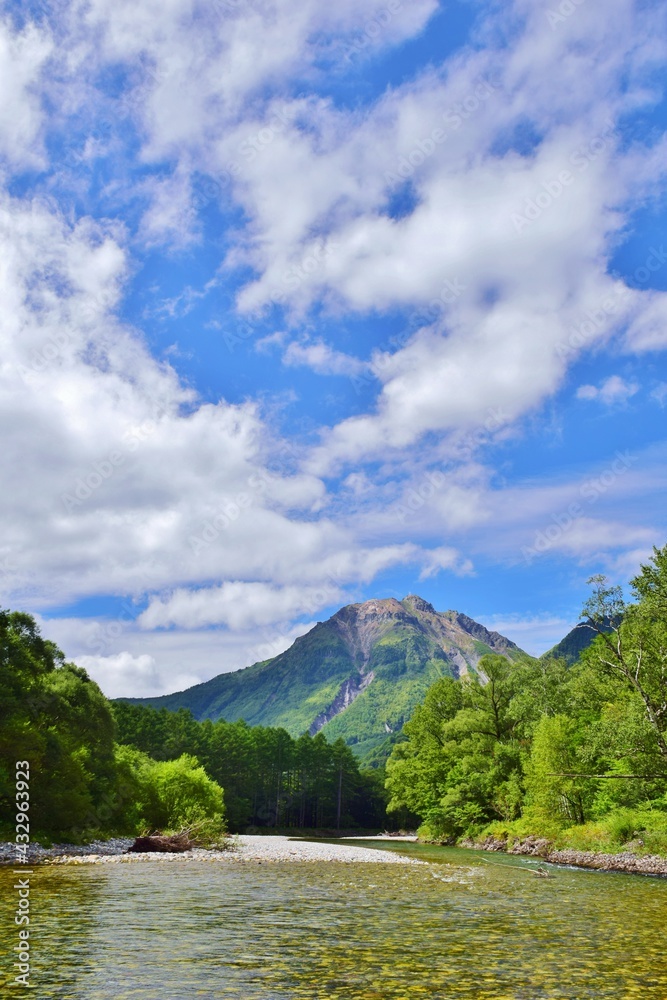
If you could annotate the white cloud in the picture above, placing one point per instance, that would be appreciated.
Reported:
(612, 391)
(509, 246)
(123, 675)
(22, 60)
(133, 663)
(324, 360)
(660, 393)
(445, 558)
(204, 64)
(128, 483)
(236, 604)
(535, 635)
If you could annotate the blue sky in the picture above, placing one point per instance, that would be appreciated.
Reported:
(303, 307)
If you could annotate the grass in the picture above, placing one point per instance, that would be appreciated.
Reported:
(641, 831)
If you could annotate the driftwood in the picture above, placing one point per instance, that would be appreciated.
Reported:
(539, 871)
(176, 843)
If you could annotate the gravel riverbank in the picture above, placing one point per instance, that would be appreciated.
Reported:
(535, 847)
(242, 848)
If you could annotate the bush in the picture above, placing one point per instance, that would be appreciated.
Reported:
(174, 794)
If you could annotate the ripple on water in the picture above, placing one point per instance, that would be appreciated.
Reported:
(342, 932)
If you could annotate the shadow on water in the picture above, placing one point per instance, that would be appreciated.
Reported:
(456, 928)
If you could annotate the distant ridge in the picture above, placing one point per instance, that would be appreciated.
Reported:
(575, 642)
(358, 675)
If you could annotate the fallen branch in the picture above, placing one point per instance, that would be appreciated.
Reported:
(159, 843)
(540, 872)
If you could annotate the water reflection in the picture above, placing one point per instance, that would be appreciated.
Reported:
(352, 932)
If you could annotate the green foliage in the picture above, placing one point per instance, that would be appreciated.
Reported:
(576, 753)
(54, 716)
(460, 766)
(176, 794)
(636, 649)
(81, 783)
(269, 778)
(552, 793)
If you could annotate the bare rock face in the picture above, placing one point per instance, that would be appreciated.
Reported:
(459, 637)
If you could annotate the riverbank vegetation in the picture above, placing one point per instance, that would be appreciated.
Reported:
(112, 768)
(576, 754)
(82, 782)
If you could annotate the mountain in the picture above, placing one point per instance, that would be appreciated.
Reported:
(575, 642)
(358, 675)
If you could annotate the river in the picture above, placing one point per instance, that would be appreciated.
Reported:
(457, 928)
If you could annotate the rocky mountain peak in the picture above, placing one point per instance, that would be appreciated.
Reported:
(418, 604)
(358, 675)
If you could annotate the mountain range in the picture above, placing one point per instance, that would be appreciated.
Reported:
(359, 675)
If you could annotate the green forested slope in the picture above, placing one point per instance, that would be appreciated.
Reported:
(575, 642)
(358, 675)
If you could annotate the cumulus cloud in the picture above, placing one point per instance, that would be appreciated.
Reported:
(519, 187)
(237, 605)
(128, 482)
(123, 672)
(166, 660)
(612, 390)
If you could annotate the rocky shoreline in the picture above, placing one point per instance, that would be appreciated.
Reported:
(270, 849)
(537, 847)
(242, 848)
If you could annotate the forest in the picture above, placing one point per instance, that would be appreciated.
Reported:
(99, 767)
(576, 754)
(269, 778)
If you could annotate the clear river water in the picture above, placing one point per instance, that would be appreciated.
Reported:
(457, 928)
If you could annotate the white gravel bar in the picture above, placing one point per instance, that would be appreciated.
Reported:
(258, 848)
(244, 848)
